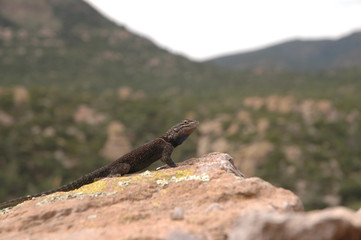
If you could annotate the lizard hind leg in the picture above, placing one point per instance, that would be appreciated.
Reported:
(119, 170)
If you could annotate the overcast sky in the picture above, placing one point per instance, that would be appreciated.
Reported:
(200, 29)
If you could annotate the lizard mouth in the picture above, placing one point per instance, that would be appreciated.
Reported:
(192, 126)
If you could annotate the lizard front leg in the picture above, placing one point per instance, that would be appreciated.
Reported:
(166, 156)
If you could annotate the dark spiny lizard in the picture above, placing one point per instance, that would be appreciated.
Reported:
(160, 148)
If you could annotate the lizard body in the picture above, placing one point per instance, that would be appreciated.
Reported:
(159, 149)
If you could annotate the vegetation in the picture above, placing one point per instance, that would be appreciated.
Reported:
(44, 146)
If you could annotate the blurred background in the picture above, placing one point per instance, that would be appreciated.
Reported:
(276, 85)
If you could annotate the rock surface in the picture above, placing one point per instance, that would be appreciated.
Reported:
(332, 223)
(203, 198)
(200, 199)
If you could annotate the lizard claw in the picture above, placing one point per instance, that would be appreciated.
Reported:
(165, 167)
(162, 167)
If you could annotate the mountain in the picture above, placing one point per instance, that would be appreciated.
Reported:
(67, 42)
(299, 55)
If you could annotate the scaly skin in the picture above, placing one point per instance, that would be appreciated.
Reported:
(159, 149)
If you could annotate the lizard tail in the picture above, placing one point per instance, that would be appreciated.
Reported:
(15, 201)
(86, 179)
(29, 197)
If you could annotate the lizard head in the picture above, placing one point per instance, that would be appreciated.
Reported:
(179, 132)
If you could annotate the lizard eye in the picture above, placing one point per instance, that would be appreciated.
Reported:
(185, 121)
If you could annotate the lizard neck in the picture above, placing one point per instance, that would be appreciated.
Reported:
(169, 141)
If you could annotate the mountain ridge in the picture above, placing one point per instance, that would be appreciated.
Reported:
(69, 43)
(304, 55)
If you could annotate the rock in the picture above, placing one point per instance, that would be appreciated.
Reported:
(214, 207)
(255, 103)
(177, 214)
(85, 114)
(253, 155)
(6, 119)
(273, 103)
(212, 135)
(124, 92)
(137, 206)
(49, 132)
(333, 223)
(117, 143)
(181, 236)
(262, 126)
(21, 95)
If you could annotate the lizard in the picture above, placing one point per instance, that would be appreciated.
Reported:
(140, 158)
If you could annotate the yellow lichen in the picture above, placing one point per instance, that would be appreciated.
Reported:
(97, 186)
(116, 184)
(156, 204)
(153, 177)
(203, 178)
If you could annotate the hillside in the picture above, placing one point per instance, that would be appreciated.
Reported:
(299, 55)
(298, 131)
(57, 42)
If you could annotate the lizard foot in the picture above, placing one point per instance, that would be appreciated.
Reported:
(162, 167)
(165, 167)
(115, 175)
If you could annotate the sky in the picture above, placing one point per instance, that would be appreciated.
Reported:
(203, 29)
